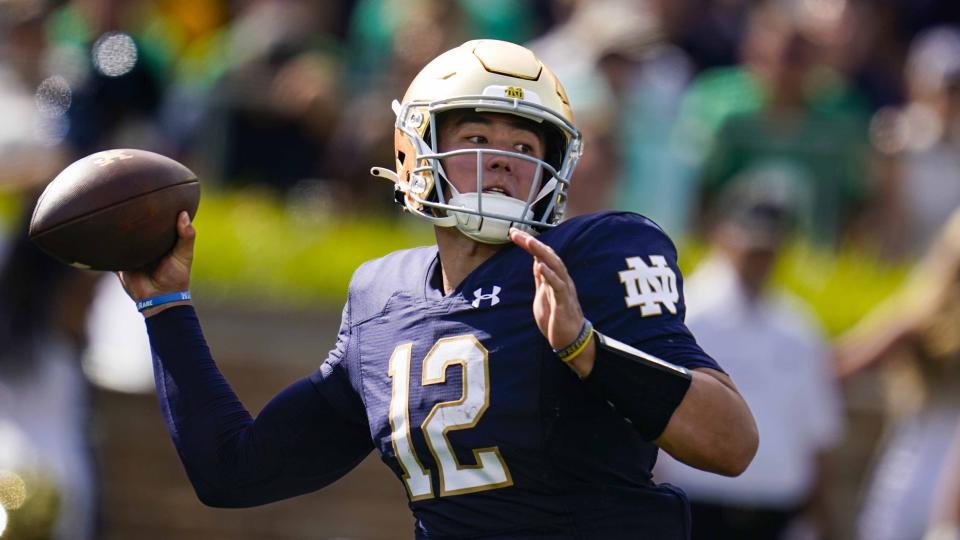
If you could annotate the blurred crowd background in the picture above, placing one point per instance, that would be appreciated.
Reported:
(755, 132)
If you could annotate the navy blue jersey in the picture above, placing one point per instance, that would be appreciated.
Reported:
(468, 405)
(490, 433)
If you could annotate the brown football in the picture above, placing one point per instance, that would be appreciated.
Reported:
(114, 210)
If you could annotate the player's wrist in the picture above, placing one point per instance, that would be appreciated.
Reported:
(573, 347)
(153, 304)
(579, 352)
(149, 312)
(583, 364)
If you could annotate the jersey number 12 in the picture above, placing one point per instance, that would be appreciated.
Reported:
(490, 471)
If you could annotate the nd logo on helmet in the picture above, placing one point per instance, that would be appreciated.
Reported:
(514, 92)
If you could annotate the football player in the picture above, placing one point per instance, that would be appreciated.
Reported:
(519, 377)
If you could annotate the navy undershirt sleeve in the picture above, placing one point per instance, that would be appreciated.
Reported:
(300, 442)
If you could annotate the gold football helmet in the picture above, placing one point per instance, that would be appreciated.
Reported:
(485, 76)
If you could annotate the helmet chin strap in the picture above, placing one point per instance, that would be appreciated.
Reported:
(491, 230)
(487, 229)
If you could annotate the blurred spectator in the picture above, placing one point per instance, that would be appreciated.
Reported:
(916, 15)
(30, 500)
(42, 389)
(915, 333)
(32, 104)
(707, 31)
(595, 180)
(389, 42)
(44, 396)
(784, 111)
(769, 342)
(607, 53)
(868, 48)
(925, 136)
(117, 356)
(647, 84)
(270, 114)
(114, 91)
(945, 517)
(411, 32)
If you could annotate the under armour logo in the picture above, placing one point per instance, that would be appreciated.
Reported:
(650, 287)
(105, 158)
(492, 297)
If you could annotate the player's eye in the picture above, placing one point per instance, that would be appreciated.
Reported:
(477, 139)
(523, 148)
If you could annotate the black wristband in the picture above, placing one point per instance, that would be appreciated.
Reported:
(643, 388)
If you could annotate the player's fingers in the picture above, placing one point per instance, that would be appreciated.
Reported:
(185, 225)
(515, 237)
(558, 284)
(531, 244)
(183, 250)
(526, 241)
(540, 250)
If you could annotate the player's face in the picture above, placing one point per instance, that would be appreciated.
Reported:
(472, 130)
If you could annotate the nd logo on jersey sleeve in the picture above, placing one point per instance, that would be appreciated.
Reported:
(651, 287)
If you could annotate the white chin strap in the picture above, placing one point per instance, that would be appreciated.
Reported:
(487, 229)
(482, 228)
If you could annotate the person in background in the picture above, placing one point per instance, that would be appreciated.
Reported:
(914, 333)
(925, 134)
(783, 111)
(44, 395)
(774, 348)
(945, 516)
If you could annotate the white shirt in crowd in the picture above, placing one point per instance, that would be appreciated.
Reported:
(777, 356)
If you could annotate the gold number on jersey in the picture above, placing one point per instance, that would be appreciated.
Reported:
(490, 471)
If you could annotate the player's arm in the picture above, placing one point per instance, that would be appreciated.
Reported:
(712, 428)
(696, 415)
(308, 436)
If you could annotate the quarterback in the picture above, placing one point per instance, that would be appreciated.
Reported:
(518, 377)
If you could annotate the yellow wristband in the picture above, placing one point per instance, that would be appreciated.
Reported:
(573, 350)
(569, 358)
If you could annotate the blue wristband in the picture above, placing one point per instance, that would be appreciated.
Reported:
(148, 303)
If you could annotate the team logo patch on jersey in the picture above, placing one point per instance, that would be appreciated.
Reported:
(652, 287)
(492, 297)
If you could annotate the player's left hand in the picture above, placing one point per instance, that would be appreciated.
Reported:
(556, 307)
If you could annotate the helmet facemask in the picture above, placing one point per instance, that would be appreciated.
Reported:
(486, 216)
(483, 76)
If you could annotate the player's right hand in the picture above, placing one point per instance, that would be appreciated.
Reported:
(170, 274)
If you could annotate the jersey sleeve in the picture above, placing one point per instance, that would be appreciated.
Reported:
(631, 289)
(306, 437)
